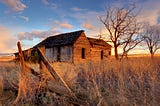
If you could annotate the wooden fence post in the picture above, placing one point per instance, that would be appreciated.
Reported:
(20, 90)
(21, 58)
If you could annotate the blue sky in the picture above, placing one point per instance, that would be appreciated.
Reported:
(30, 21)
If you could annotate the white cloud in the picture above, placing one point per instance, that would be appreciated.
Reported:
(7, 41)
(15, 5)
(88, 25)
(26, 19)
(65, 25)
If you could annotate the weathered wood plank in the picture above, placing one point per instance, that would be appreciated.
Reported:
(52, 71)
(81, 42)
(21, 58)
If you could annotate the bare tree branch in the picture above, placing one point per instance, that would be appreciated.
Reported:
(151, 35)
(122, 27)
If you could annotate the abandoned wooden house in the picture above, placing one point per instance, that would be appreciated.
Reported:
(74, 47)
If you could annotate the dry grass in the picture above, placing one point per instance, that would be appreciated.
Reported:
(135, 81)
(6, 58)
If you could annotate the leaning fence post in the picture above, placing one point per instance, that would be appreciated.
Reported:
(52, 71)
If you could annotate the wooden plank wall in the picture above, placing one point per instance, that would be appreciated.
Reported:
(81, 42)
(96, 52)
(66, 54)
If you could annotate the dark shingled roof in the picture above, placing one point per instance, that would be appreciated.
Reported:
(61, 39)
(100, 42)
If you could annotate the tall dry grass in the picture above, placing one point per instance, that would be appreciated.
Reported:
(128, 82)
(133, 81)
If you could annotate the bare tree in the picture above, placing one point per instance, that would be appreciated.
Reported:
(122, 26)
(132, 38)
(152, 38)
(129, 45)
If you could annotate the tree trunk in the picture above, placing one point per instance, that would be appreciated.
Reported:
(151, 52)
(116, 52)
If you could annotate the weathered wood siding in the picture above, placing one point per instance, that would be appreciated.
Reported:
(96, 53)
(80, 51)
(49, 53)
(81, 42)
(65, 54)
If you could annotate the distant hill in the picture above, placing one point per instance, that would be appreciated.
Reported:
(6, 54)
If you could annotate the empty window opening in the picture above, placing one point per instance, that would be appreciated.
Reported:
(109, 52)
(83, 53)
(102, 54)
(58, 54)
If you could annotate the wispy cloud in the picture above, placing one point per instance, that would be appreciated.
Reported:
(77, 9)
(150, 11)
(87, 25)
(90, 21)
(7, 41)
(15, 5)
(40, 34)
(88, 16)
(26, 19)
(65, 25)
(46, 2)
(49, 4)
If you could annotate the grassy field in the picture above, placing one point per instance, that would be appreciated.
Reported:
(129, 82)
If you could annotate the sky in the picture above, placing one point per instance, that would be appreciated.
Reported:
(30, 21)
